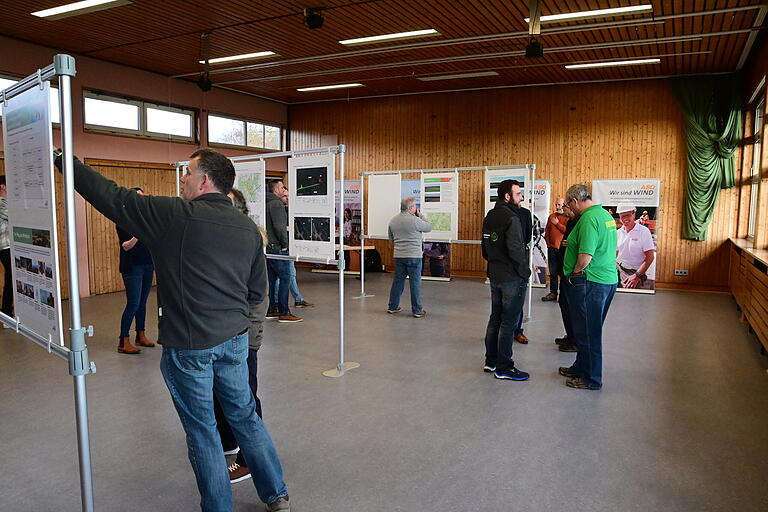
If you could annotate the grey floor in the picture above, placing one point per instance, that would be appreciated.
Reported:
(680, 425)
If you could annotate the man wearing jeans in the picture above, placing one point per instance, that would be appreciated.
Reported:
(405, 231)
(590, 267)
(277, 233)
(505, 248)
(211, 274)
(554, 233)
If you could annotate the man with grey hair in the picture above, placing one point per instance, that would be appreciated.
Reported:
(405, 231)
(589, 266)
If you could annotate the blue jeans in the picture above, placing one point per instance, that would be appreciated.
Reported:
(519, 325)
(507, 299)
(192, 377)
(293, 288)
(410, 267)
(279, 272)
(562, 299)
(588, 304)
(555, 267)
(138, 283)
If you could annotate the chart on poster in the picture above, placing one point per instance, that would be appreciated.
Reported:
(311, 206)
(250, 179)
(440, 204)
(495, 176)
(31, 212)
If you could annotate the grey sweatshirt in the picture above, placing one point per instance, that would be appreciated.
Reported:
(405, 231)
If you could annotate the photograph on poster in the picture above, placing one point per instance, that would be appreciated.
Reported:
(46, 298)
(437, 259)
(312, 181)
(41, 237)
(352, 212)
(25, 289)
(314, 229)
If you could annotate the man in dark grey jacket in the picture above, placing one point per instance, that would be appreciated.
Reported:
(211, 276)
(277, 233)
(505, 249)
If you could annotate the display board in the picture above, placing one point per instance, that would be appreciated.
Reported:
(411, 188)
(311, 205)
(250, 179)
(383, 201)
(496, 176)
(31, 212)
(440, 204)
(541, 193)
(634, 204)
(352, 206)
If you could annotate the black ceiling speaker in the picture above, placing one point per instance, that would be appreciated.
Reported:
(204, 82)
(313, 17)
(534, 50)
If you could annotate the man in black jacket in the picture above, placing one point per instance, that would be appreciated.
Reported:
(505, 249)
(211, 279)
(277, 233)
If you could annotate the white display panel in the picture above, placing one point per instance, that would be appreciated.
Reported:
(440, 204)
(383, 201)
(250, 179)
(311, 206)
(31, 212)
(496, 176)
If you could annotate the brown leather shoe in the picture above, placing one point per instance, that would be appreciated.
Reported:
(124, 346)
(289, 318)
(520, 338)
(142, 340)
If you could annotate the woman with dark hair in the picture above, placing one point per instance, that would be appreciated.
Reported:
(137, 270)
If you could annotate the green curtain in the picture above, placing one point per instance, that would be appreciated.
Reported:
(712, 109)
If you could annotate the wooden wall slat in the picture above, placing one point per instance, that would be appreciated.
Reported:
(573, 133)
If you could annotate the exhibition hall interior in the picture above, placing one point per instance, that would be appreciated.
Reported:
(376, 255)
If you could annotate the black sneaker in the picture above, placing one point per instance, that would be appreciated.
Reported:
(562, 340)
(578, 383)
(567, 347)
(511, 373)
(566, 371)
(489, 368)
(303, 304)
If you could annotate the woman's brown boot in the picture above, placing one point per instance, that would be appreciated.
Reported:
(142, 340)
(125, 347)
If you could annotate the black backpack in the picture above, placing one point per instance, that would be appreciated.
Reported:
(373, 261)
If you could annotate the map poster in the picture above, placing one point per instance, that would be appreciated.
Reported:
(311, 206)
(634, 205)
(440, 204)
(250, 179)
(31, 212)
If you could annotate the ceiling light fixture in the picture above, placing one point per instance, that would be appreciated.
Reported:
(390, 37)
(457, 75)
(613, 63)
(239, 57)
(324, 87)
(78, 8)
(598, 13)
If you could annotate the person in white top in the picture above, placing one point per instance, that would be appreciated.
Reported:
(635, 251)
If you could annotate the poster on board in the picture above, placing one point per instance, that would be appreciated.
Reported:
(382, 203)
(411, 188)
(437, 255)
(541, 192)
(352, 208)
(634, 204)
(31, 212)
(495, 176)
(311, 206)
(250, 179)
(440, 204)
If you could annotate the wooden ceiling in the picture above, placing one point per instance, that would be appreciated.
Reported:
(689, 36)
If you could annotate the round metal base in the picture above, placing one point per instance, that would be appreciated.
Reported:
(341, 369)
(363, 296)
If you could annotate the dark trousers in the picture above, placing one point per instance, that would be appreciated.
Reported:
(5, 259)
(555, 268)
(507, 301)
(563, 302)
(588, 304)
(138, 283)
(228, 440)
(279, 269)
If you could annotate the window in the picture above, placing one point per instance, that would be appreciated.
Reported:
(246, 134)
(139, 118)
(754, 178)
(7, 82)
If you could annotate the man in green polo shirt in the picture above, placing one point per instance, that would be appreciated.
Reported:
(590, 267)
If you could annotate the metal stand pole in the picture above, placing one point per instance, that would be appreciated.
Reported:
(79, 365)
(362, 239)
(532, 169)
(342, 367)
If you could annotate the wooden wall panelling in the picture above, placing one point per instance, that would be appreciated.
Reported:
(103, 249)
(574, 134)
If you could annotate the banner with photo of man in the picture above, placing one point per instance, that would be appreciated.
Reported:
(634, 204)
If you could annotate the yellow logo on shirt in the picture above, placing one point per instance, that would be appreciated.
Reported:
(610, 224)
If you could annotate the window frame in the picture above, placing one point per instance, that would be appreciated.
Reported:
(245, 122)
(754, 171)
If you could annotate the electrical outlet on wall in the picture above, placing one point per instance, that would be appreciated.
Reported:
(679, 272)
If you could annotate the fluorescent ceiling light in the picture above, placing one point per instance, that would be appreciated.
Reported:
(613, 63)
(78, 8)
(389, 37)
(599, 13)
(238, 57)
(458, 75)
(324, 87)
